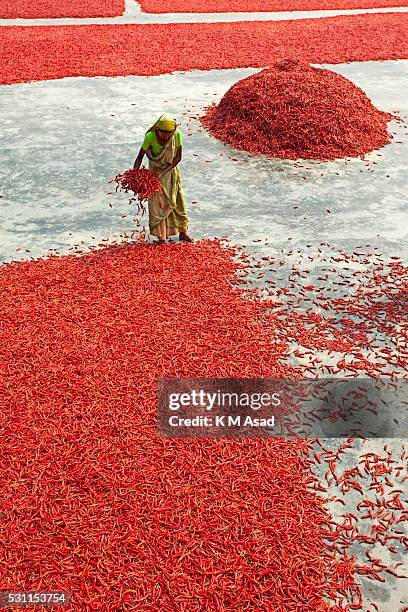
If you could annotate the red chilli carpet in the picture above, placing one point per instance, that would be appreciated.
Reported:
(115, 50)
(232, 6)
(94, 501)
(26, 9)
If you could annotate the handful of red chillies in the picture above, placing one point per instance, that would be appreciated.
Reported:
(143, 183)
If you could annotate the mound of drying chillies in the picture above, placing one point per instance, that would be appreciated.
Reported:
(294, 110)
(143, 183)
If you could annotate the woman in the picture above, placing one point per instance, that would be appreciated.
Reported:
(163, 146)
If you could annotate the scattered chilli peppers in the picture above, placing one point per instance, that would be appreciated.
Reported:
(379, 511)
(293, 110)
(343, 310)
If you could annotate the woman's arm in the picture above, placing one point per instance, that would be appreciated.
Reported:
(174, 163)
(139, 159)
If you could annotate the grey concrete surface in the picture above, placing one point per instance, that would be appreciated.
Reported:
(63, 140)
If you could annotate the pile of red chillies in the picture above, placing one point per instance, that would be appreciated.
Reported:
(294, 110)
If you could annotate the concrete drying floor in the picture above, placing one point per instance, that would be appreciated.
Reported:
(63, 140)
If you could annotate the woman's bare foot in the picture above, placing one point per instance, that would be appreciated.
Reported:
(185, 237)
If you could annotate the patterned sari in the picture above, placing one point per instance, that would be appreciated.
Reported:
(167, 214)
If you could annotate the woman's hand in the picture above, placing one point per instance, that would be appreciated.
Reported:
(138, 160)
